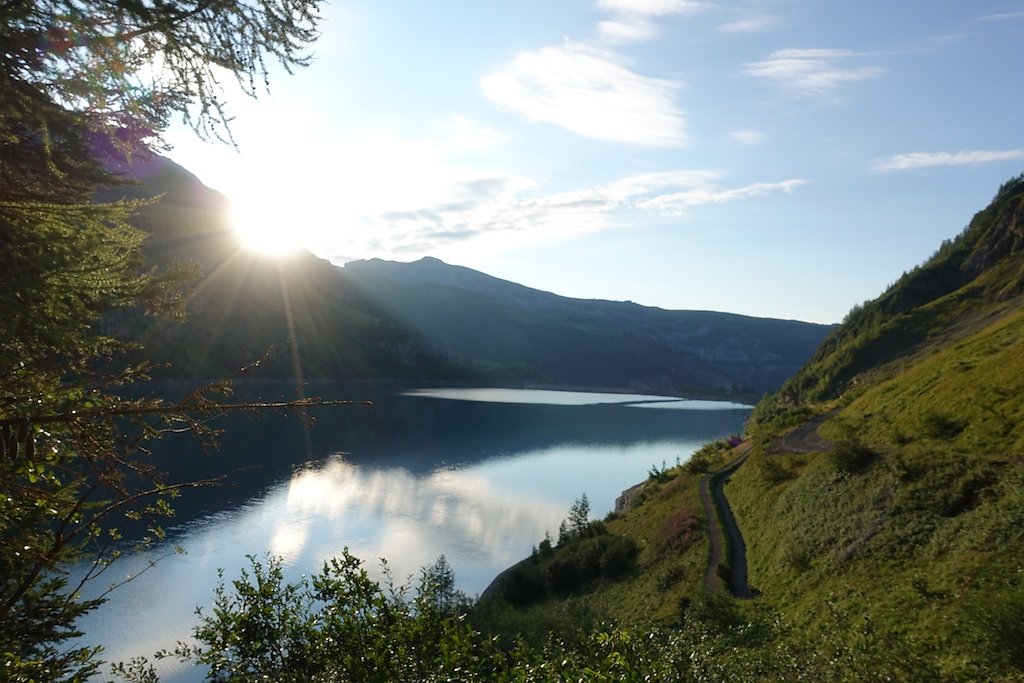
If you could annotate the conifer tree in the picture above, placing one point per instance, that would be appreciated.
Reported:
(84, 87)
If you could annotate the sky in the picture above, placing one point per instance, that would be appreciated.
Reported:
(776, 158)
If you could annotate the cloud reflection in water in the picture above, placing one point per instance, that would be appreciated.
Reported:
(393, 514)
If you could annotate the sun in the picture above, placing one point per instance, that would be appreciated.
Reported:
(268, 229)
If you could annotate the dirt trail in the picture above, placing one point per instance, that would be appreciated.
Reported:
(803, 439)
(719, 516)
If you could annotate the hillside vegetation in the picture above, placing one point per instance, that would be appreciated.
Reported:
(882, 504)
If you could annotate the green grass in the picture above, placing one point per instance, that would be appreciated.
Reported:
(925, 538)
(897, 552)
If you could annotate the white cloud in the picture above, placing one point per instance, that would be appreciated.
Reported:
(812, 72)
(1002, 16)
(631, 30)
(750, 23)
(491, 214)
(747, 137)
(631, 19)
(679, 202)
(590, 93)
(914, 160)
(652, 7)
(469, 134)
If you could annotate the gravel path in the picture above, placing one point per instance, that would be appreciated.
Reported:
(719, 516)
(803, 439)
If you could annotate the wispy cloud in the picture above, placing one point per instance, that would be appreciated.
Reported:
(747, 137)
(632, 19)
(589, 92)
(1002, 16)
(653, 7)
(491, 214)
(627, 30)
(915, 160)
(812, 72)
(468, 134)
(750, 23)
(680, 202)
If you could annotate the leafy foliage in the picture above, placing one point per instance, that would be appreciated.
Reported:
(79, 99)
(343, 626)
(95, 58)
(337, 625)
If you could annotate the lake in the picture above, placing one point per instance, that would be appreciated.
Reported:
(479, 475)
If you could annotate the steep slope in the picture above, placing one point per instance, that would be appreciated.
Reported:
(914, 516)
(969, 282)
(882, 500)
(585, 342)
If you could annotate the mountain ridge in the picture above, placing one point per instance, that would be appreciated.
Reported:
(726, 351)
(427, 321)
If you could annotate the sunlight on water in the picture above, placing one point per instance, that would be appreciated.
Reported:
(480, 525)
(479, 484)
(536, 396)
(689, 404)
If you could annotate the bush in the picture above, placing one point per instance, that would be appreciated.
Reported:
(943, 427)
(337, 625)
(670, 577)
(773, 470)
(707, 457)
(523, 584)
(617, 555)
(677, 530)
(798, 559)
(659, 475)
(851, 456)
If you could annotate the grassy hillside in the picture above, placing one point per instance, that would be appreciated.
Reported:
(882, 503)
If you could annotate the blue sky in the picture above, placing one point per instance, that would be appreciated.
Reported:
(780, 158)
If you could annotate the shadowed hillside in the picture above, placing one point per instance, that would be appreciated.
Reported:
(426, 320)
(578, 342)
(245, 304)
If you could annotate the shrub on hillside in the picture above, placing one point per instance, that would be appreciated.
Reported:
(677, 530)
(587, 559)
(943, 427)
(710, 456)
(851, 456)
(773, 470)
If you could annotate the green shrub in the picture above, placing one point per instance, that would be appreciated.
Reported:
(708, 457)
(670, 577)
(773, 470)
(677, 530)
(798, 559)
(936, 425)
(851, 456)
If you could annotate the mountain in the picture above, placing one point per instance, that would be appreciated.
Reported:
(243, 305)
(970, 282)
(578, 342)
(426, 320)
(879, 495)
